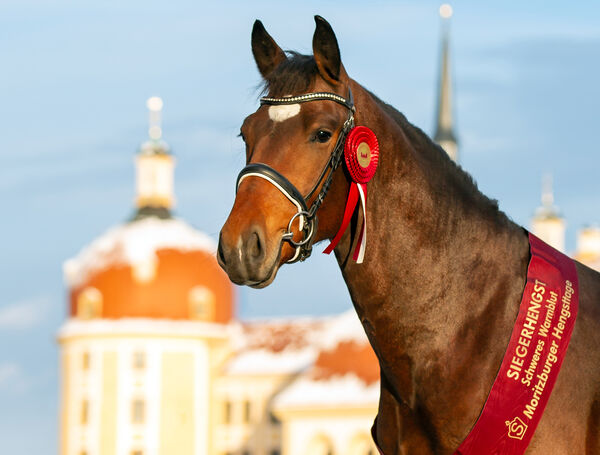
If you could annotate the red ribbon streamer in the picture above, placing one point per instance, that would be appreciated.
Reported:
(361, 171)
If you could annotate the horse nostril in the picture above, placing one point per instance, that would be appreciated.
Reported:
(220, 252)
(255, 246)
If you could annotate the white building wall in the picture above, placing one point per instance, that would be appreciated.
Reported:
(131, 384)
(299, 432)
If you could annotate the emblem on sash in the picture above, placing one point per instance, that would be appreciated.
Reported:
(516, 428)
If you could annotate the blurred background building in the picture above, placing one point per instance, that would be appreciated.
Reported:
(550, 225)
(155, 361)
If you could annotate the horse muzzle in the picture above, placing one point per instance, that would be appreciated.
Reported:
(246, 257)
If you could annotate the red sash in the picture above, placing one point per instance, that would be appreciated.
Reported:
(535, 352)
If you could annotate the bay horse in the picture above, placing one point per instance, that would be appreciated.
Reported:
(444, 270)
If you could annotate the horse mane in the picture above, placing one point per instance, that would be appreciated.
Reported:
(297, 73)
(438, 161)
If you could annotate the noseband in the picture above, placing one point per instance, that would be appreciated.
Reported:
(307, 218)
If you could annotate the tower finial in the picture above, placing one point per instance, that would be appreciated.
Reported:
(154, 169)
(547, 191)
(155, 105)
(446, 11)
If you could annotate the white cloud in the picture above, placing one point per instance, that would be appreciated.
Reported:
(23, 314)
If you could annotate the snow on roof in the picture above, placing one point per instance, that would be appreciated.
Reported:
(331, 356)
(282, 346)
(346, 390)
(134, 243)
(344, 327)
(264, 361)
(346, 375)
(289, 346)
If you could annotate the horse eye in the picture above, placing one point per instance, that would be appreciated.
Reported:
(323, 136)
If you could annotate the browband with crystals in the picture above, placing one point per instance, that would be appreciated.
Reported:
(315, 96)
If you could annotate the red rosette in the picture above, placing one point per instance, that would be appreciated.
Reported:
(361, 152)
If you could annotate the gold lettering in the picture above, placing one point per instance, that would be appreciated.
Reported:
(524, 341)
(513, 374)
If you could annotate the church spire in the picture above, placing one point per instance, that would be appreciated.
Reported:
(154, 169)
(444, 131)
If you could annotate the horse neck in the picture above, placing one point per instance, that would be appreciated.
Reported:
(439, 255)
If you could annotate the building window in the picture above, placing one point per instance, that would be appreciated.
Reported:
(227, 412)
(275, 452)
(138, 410)
(246, 452)
(85, 361)
(274, 420)
(139, 360)
(89, 303)
(137, 452)
(202, 303)
(247, 411)
(320, 445)
(361, 444)
(85, 410)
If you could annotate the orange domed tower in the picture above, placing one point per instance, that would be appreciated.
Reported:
(149, 316)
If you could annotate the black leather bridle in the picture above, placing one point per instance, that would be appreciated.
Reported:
(307, 216)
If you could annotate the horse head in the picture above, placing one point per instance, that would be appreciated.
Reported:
(292, 159)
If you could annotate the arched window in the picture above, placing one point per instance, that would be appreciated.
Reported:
(89, 303)
(247, 411)
(85, 361)
(139, 360)
(85, 412)
(202, 303)
(138, 411)
(320, 445)
(227, 412)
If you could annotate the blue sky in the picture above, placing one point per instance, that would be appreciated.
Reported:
(73, 85)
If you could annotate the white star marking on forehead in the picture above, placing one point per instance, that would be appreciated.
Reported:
(283, 112)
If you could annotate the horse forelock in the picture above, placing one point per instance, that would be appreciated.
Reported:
(293, 76)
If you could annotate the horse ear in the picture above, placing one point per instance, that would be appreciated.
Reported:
(267, 54)
(326, 51)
